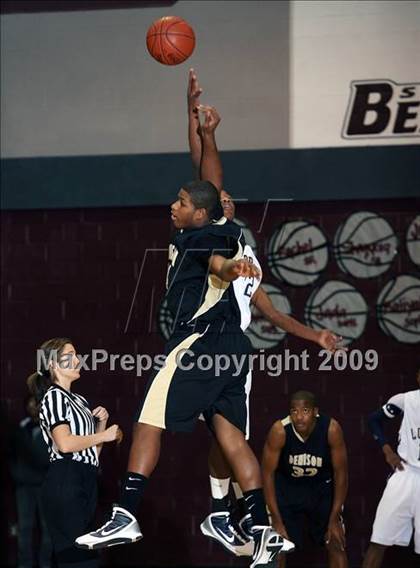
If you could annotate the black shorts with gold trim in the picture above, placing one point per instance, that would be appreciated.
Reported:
(205, 372)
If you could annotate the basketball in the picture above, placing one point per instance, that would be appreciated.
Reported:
(170, 40)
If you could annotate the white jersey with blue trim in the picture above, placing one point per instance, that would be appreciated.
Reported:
(409, 434)
(244, 288)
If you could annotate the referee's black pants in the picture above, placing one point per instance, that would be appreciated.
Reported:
(69, 496)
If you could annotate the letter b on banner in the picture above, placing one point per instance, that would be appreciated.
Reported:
(382, 109)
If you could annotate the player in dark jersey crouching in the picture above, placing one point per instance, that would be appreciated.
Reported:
(305, 475)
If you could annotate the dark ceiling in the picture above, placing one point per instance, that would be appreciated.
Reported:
(17, 6)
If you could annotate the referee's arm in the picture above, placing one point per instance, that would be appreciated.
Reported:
(67, 442)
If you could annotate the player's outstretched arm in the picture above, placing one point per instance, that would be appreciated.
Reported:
(271, 454)
(211, 164)
(325, 338)
(228, 269)
(335, 532)
(193, 100)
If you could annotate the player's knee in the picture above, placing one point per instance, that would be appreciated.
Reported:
(142, 430)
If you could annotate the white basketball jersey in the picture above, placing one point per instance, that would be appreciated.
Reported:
(245, 287)
(409, 434)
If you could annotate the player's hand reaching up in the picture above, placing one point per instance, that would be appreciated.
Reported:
(211, 119)
(193, 92)
(329, 341)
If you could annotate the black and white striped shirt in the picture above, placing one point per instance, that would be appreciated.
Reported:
(60, 406)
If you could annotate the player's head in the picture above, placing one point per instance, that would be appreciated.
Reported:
(198, 204)
(227, 204)
(303, 411)
(57, 362)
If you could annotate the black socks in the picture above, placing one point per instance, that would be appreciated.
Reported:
(255, 503)
(132, 491)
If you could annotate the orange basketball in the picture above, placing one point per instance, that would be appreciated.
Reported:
(170, 40)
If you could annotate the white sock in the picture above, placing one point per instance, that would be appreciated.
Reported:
(237, 490)
(219, 487)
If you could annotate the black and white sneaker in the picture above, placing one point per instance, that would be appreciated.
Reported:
(219, 526)
(268, 545)
(245, 526)
(123, 528)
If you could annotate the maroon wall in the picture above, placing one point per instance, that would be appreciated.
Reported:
(74, 272)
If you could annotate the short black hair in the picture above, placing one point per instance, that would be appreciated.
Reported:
(304, 395)
(204, 195)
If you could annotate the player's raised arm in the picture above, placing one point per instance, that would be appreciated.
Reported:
(193, 100)
(325, 338)
(335, 532)
(271, 454)
(211, 164)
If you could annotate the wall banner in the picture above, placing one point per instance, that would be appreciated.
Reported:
(381, 108)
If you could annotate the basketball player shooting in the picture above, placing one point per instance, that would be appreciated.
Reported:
(219, 525)
(205, 257)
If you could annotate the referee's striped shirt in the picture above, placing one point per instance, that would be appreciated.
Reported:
(60, 406)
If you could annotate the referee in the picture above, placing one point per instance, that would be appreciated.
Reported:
(74, 435)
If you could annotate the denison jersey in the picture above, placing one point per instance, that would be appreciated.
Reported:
(244, 288)
(409, 434)
(306, 462)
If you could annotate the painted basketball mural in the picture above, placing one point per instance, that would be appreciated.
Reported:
(262, 333)
(298, 253)
(398, 308)
(365, 245)
(337, 306)
(412, 240)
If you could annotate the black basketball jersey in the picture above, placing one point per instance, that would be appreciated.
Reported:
(306, 462)
(193, 294)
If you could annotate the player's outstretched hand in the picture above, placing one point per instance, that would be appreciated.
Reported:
(211, 119)
(193, 92)
(329, 341)
(335, 536)
(245, 269)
